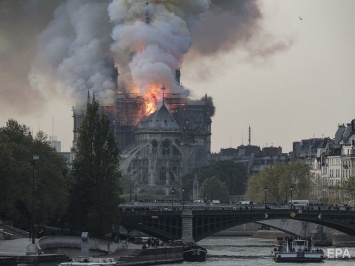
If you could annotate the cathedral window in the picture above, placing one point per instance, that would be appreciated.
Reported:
(166, 147)
(154, 144)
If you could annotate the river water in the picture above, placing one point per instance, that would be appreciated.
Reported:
(245, 251)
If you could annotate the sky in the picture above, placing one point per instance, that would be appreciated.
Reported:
(299, 87)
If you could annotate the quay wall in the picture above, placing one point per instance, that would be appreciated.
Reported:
(339, 239)
(71, 245)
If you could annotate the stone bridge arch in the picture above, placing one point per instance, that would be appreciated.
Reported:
(195, 225)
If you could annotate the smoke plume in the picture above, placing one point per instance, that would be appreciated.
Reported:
(73, 52)
(65, 47)
(234, 24)
(156, 35)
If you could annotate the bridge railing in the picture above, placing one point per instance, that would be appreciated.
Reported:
(164, 206)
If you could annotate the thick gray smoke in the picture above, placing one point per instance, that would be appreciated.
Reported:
(73, 52)
(234, 24)
(229, 22)
(69, 43)
(156, 35)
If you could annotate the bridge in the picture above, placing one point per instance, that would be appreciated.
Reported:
(193, 223)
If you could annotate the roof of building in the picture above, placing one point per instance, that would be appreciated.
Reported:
(248, 150)
(339, 133)
(160, 120)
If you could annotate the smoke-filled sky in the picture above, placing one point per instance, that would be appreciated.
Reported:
(284, 67)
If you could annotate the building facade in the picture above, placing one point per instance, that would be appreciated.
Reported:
(332, 162)
(158, 149)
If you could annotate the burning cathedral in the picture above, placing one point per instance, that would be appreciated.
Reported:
(162, 133)
(160, 140)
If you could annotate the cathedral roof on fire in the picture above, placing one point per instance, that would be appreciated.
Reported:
(161, 120)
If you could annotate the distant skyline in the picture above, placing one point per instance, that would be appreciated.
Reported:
(301, 91)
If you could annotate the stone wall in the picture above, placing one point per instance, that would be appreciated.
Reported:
(71, 245)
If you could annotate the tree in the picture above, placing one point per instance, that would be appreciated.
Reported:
(52, 181)
(51, 178)
(278, 180)
(233, 174)
(343, 191)
(97, 189)
(213, 189)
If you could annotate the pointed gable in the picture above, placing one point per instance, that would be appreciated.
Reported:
(161, 120)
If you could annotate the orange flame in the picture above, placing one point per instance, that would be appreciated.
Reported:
(152, 98)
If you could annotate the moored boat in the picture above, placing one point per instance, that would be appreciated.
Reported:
(89, 261)
(291, 249)
(193, 252)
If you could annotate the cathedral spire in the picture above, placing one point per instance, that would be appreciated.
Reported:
(163, 88)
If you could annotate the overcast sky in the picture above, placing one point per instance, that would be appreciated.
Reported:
(300, 92)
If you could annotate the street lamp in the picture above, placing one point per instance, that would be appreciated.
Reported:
(291, 187)
(265, 189)
(135, 194)
(172, 197)
(183, 192)
(211, 193)
(130, 193)
(34, 158)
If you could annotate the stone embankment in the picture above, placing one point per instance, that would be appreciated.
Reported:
(16, 252)
(338, 239)
(343, 240)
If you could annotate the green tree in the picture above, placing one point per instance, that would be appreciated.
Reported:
(213, 189)
(97, 188)
(278, 180)
(51, 178)
(52, 181)
(229, 172)
(348, 189)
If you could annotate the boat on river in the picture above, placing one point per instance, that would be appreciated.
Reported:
(193, 252)
(89, 261)
(291, 249)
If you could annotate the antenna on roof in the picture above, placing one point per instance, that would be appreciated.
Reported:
(249, 139)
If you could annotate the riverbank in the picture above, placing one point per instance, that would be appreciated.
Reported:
(15, 252)
(338, 239)
(19, 251)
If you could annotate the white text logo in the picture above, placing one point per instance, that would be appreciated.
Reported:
(337, 253)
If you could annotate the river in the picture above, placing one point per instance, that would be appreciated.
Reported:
(245, 251)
